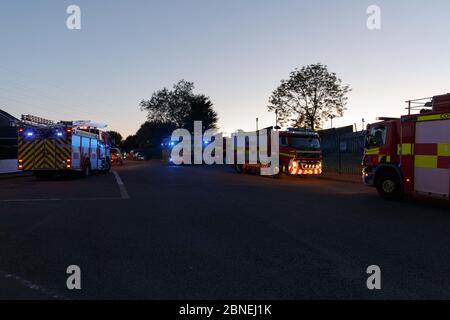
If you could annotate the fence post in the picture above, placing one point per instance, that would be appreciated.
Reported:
(339, 155)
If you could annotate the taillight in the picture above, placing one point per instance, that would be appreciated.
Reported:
(68, 163)
(20, 166)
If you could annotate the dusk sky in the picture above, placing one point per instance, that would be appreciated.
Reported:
(235, 51)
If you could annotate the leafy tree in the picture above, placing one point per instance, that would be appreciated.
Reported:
(130, 143)
(180, 106)
(310, 96)
(150, 134)
(115, 138)
(201, 109)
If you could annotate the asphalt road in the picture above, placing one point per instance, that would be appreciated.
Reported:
(209, 233)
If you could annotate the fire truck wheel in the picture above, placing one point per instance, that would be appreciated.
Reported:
(107, 166)
(87, 170)
(277, 173)
(388, 186)
(239, 168)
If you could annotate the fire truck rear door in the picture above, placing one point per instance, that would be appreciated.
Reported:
(431, 160)
(45, 154)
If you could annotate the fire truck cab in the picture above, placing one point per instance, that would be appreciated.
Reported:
(411, 154)
(300, 153)
(46, 148)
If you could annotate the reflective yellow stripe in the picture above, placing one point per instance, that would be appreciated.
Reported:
(430, 117)
(444, 149)
(426, 161)
(407, 148)
(372, 152)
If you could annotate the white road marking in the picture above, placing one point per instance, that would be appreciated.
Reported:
(68, 199)
(23, 200)
(123, 190)
(28, 284)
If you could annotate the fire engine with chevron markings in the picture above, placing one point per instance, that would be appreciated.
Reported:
(47, 148)
(300, 153)
(411, 154)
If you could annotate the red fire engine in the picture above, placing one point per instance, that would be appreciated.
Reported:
(411, 155)
(300, 153)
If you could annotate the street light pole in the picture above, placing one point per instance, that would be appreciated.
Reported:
(276, 121)
(331, 117)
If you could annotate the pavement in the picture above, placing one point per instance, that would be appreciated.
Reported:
(10, 175)
(351, 178)
(152, 231)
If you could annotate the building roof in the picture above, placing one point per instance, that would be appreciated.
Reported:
(9, 118)
(336, 131)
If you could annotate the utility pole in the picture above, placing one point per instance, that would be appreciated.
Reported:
(257, 124)
(331, 117)
(276, 120)
(363, 124)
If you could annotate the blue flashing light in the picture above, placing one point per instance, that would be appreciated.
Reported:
(29, 134)
(171, 143)
(205, 141)
(59, 134)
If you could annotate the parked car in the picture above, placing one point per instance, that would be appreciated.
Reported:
(140, 156)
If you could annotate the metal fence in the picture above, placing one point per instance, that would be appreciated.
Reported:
(342, 154)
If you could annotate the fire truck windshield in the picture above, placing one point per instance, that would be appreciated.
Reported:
(305, 143)
(376, 137)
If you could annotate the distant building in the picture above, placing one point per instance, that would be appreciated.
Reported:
(8, 142)
(7, 120)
